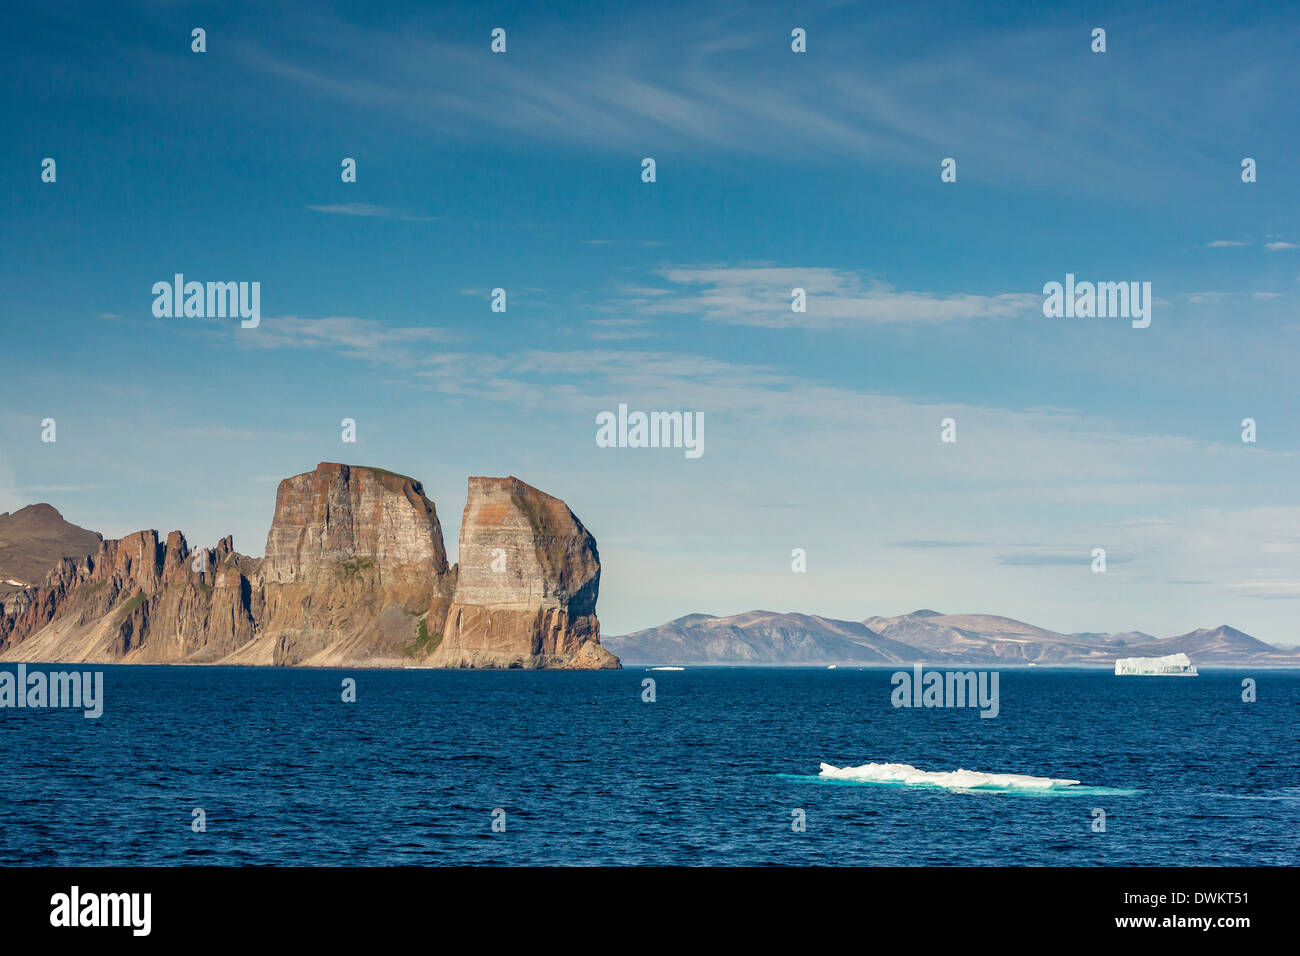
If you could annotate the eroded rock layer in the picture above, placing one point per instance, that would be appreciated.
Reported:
(528, 577)
(137, 600)
(354, 557)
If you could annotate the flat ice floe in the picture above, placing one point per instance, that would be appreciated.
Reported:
(907, 775)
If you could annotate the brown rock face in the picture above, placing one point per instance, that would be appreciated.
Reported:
(526, 591)
(33, 540)
(354, 556)
(355, 573)
(134, 601)
(339, 513)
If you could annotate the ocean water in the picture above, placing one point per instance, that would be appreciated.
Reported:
(588, 773)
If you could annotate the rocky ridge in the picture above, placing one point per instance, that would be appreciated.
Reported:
(355, 573)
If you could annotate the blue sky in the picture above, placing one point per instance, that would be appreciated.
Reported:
(774, 169)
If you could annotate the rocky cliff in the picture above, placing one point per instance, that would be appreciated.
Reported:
(136, 600)
(526, 590)
(355, 573)
(354, 563)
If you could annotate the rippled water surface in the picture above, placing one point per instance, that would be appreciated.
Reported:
(588, 773)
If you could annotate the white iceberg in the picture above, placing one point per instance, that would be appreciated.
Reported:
(906, 774)
(1172, 665)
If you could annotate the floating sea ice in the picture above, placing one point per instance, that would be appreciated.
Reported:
(907, 775)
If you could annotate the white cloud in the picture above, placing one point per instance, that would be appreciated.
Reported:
(366, 210)
(1269, 589)
(616, 329)
(366, 339)
(685, 80)
(760, 295)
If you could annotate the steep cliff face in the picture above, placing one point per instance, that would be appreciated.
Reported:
(354, 565)
(136, 600)
(355, 573)
(339, 513)
(528, 578)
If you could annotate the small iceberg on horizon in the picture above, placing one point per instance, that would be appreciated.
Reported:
(1171, 665)
(902, 774)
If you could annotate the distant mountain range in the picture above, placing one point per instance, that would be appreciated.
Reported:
(770, 638)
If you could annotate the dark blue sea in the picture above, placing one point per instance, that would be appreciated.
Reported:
(588, 773)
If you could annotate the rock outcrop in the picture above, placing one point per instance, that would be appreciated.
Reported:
(338, 514)
(526, 590)
(353, 558)
(136, 600)
(355, 573)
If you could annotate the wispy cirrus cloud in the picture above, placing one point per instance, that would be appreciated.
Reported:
(618, 329)
(368, 211)
(762, 295)
(1082, 558)
(1208, 297)
(1269, 590)
(714, 79)
(1275, 244)
(929, 543)
(366, 339)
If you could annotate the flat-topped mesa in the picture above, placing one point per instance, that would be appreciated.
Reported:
(353, 558)
(340, 514)
(527, 581)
